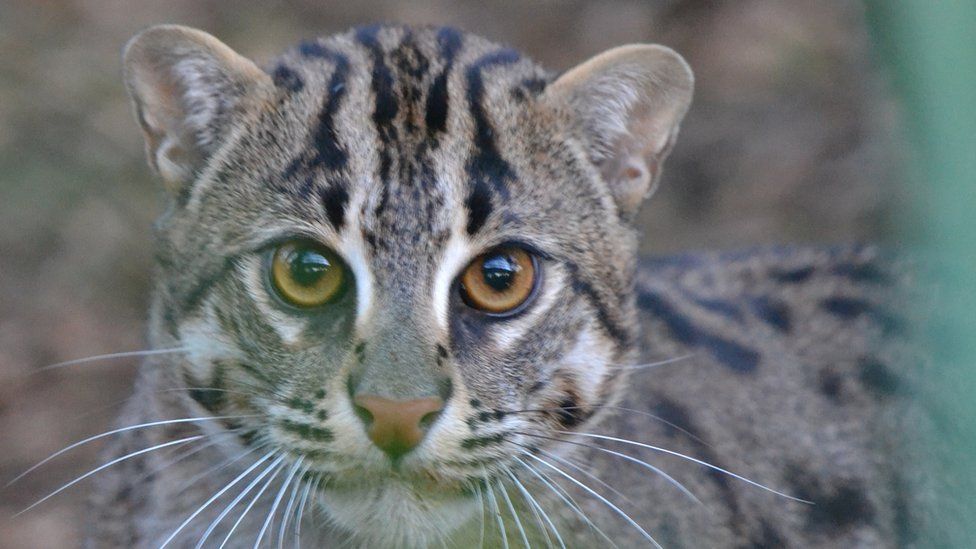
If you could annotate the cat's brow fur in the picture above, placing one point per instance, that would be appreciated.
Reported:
(410, 151)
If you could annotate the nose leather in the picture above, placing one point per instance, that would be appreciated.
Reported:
(396, 426)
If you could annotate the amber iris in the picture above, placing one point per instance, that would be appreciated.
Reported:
(499, 281)
(307, 275)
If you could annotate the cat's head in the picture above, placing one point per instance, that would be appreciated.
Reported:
(401, 251)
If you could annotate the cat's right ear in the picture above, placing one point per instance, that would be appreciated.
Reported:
(188, 88)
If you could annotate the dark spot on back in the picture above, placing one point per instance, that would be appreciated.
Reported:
(839, 504)
(768, 538)
(676, 418)
(286, 78)
(733, 355)
(831, 384)
(773, 312)
(849, 308)
(877, 377)
(864, 272)
(791, 276)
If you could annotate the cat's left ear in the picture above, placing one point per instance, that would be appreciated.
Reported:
(626, 105)
(188, 90)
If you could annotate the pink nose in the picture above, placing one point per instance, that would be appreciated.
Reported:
(397, 426)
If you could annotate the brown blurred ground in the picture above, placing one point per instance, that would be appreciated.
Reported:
(787, 142)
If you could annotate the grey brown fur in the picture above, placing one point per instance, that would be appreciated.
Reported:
(410, 151)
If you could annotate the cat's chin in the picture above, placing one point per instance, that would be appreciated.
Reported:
(394, 513)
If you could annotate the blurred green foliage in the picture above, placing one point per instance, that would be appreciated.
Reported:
(931, 50)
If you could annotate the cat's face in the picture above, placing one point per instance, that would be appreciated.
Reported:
(400, 253)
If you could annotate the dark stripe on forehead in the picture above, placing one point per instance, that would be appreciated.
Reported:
(334, 200)
(386, 106)
(448, 42)
(327, 156)
(487, 168)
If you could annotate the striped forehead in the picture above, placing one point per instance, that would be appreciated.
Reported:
(400, 144)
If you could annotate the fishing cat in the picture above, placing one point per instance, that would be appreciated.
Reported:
(398, 303)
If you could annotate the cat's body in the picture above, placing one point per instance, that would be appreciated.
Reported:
(409, 153)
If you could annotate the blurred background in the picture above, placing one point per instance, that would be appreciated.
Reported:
(789, 140)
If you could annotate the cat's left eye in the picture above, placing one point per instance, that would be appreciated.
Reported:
(501, 281)
(307, 275)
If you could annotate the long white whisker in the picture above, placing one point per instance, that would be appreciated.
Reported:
(310, 488)
(106, 466)
(674, 482)
(277, 501)
(565, 497)
(650, 365)
(192, 481)
(230, 506)
(595, 494)
(481, 500)
(619, 408)
(215, 439)
(586, 473)
(257, 496)
(511, 509)
(691, 459)
(540, 513)
(115, 432)
(498, 513)
(112, 356)
(286, 515)
(214, 498)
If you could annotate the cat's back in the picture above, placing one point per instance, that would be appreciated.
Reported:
(794, 368)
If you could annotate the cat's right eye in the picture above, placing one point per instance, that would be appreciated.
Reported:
(307, 275)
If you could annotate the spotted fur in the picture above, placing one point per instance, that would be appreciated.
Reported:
(410, 151)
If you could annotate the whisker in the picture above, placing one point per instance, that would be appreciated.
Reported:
(277, 501)
(481, 499)
(498, 513)
(213, 498)
(511, 509)
(230, 506)
(112, 356)
(215, 439)
(533, 504)
(106, 466)
(610, 407)
(650, 365)
(691, 459)
(286, 515)
(115, 432)
(301, 510)
(566, 498)
(585, 473)
(595, 494)
(251, 504)
(674, 482)
(192, 481)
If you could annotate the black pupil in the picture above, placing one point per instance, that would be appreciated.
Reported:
(308, 266)
(499, 271)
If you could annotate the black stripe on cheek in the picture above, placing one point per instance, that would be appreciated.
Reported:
(195, 297)
(211, 397)
(611, 326)
(449, 42)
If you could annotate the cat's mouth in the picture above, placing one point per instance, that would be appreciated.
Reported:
(397, 509)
